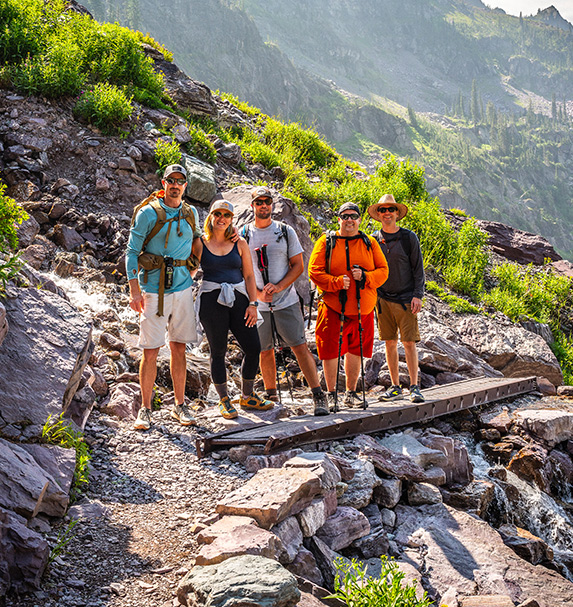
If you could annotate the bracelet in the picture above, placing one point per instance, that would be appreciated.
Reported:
(254, 303)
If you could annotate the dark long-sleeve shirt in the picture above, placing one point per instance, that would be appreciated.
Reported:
(406, 278)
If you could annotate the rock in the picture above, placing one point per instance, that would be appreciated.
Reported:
(249, 581)
(244, 539)
(457, 465)
(372, 513)
(372, 545)
(88, 510)
(3, 323)
(464, 552)
(126, 163)
(57, 462)
(67, 237)
(388, 492)
(324, 557)
(509, 348)
(304, 565)
(27, 231)
(315, 515)
(272, 495)
(43, 326)
(343, 527)
(565, 391)
(226, 525)
(34, 255)
(201, 184)
(23, 554)
(423, 493)
(344, 466)
(388, 518)
(360, 488)
(109, 342)
(388, 461)
(531, 464)
(124, 401)
(476, 496)
(25, 487)
(321, 465)
(275, 460)
(550, 425)
(290, 534)
(489, 600)
(240, 454)
(416, 451)
(528, 546)
(435, 476)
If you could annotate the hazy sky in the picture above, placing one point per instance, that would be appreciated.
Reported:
(529, 7)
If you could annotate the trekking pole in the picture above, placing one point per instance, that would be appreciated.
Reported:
(262, 265)
(343, 297)
(358, 288)
(311, 300)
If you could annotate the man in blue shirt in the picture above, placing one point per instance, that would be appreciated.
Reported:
(160, 282)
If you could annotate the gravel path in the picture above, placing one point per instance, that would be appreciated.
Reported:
(152, 489)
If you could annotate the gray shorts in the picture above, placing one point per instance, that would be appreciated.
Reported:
(290, 327)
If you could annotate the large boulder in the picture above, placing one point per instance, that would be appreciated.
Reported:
(509, 348)
(245, 581)
(285, 210)
(43, 356)
(464, 552)
(552, 426)
(201, 184)
(23, 554)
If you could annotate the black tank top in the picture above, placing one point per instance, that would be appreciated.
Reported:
(222, 268)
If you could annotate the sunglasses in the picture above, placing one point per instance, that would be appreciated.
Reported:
(349, 217)
(263, 201)
(172, 180)
(219, 214)
(387, 209)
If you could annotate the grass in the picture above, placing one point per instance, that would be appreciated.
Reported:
(11, 216)
(458, 305)
(105, 106)
(166, 153)
(59, 431)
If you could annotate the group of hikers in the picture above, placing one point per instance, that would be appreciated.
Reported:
(247, 288)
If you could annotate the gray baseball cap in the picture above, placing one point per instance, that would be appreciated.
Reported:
(174, 168)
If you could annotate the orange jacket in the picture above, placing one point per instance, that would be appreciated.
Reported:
(371, 260)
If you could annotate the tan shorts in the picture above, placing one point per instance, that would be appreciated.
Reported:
(178, 320)
(393, 317)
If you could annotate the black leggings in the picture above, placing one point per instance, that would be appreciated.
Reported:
(217, 320)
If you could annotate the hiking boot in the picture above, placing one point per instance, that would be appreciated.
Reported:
(415, 395)
(331, 400)
(226, 408)
(143, 421)
(320, 404)
(254, 401)
(392, 393)
(182, 414)
(352, 399)
(274, 397)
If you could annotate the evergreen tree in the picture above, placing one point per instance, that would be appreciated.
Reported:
(474, 103)
(553, 107)
(491, 115)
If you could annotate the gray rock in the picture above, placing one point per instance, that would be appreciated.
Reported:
(3, 323)
(57, 462)
(290, 534)
(89, 510)
(27, 231)
(457, 465)
(25, 487)
(275, 460)
(315, 515)
(321, 465)
(388, 518)
(43, 326)
(388, 492)
(248, 581)
(324, 557)
(372, 513)
(67, 237)
(304, 565)
(23, 554)
(423, 493)
(550, 425)
(416, 451)
(360, 488)
(201, 184)
(343, 527)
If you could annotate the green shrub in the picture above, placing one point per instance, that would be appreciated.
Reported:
(166, 153)
(201, 146)
(356, 589)
(105, 106)
(59, 431)
(148, 39)
(456, 304)
(241, 105)
(563, 349)
(11, 216)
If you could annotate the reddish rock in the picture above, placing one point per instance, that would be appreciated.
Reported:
(565, 391)
(546, 387)
(67, 237)
(528, 546)
(226, 525)
(530, 463)
(272, 495)
(304, 565)
(343, 527)
(552, 426)
(124, 401)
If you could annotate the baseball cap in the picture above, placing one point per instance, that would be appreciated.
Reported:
(174, 168)
(222, 204)
(261, 192)
(349, 206)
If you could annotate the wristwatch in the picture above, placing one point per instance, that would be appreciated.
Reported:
(254, 303)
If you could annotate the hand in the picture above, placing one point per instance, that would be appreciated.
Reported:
(235, 235)
(357, 274)
(415, 305)
(136, 302)
(251, 316)
(346, 282)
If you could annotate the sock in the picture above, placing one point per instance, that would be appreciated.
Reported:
(221, 390)
(271, 391)
(247, 386)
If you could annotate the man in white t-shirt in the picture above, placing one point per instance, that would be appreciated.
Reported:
(278, 299)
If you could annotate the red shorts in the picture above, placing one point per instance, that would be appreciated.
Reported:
(328, 333)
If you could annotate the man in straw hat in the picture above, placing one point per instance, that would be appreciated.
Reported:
(400, 297)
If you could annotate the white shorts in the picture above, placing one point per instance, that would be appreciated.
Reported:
(178, 320)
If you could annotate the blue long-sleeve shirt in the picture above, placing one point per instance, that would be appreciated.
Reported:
(178, 247)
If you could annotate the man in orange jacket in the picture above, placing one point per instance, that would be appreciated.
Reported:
(339, 263)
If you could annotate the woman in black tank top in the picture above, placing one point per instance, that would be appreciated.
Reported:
(229, 302)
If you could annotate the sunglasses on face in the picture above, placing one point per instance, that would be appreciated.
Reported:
(172, 180)
(219, 214)
(349, 217)
(263, 201)
(387, 209)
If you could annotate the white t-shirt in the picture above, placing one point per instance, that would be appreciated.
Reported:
(278, 252)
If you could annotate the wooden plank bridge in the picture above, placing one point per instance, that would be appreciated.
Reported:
(379, 416)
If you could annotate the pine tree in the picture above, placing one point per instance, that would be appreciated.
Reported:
(412, 118)
(474, 103)
(553, 107)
